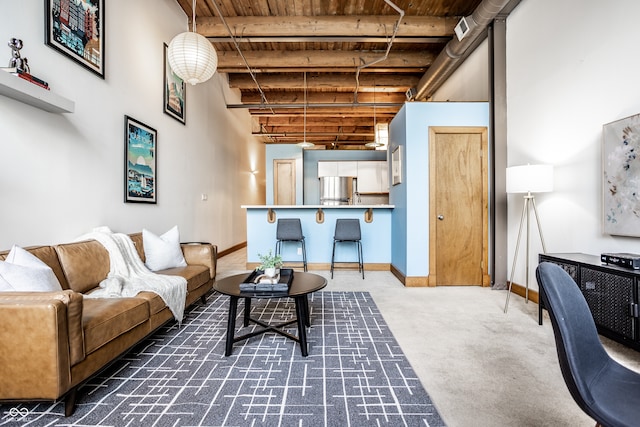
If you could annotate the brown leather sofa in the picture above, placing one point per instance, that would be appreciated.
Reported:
(52, 342)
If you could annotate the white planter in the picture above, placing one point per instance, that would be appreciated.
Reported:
(271, 272)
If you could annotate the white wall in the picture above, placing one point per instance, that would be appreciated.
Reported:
(563, 84)
(63, 174)
(470, 82)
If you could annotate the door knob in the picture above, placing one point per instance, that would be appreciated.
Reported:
(440, 217)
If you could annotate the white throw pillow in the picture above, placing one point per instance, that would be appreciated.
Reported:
(162, 252)
(24, 272)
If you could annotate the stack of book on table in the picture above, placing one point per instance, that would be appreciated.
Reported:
(257, 281)
(26, 76)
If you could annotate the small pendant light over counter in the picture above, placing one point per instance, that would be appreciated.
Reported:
(191, 55)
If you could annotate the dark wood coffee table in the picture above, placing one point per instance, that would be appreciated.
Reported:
(302, 285)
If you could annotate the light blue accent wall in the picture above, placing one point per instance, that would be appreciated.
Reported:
(398, 194)
(312, 157)
(411, 198)
(283, 151)
(376, 236)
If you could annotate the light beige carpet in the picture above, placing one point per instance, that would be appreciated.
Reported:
(480, 366)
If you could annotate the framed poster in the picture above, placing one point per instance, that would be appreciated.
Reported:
(621, 177)
(140, 144)
(76, 29)
(396, 165)
(174, 92)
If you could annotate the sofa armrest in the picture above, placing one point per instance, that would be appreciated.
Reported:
(200, 253)
(41, 339)
(72, 302)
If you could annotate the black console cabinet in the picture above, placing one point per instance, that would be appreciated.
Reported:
(612, 293)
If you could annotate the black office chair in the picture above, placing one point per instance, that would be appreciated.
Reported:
(348, 230)
(607, 391)
(290, 230)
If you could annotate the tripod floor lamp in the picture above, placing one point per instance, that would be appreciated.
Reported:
(527, 179)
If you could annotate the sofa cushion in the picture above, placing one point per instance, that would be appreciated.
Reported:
(155, 301)
(23, 271)
(104, 319)
(85, 264)
(196, 275)
(163, 251)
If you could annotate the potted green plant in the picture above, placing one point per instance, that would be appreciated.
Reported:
(269, 263)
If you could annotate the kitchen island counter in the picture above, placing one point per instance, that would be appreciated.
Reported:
(318, 226)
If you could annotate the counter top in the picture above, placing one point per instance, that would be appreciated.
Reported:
(318, 226)
(317, 206)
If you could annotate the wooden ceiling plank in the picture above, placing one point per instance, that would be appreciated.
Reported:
(384, 113)
(226, 7)
(322, 81)
(261, 7)
(323, 97)
(315, 58)
(333, 69)
(331, 120)
(250, 26)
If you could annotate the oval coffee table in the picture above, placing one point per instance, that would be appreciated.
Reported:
(302, 285)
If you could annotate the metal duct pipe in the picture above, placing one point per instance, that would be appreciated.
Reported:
(445, 62)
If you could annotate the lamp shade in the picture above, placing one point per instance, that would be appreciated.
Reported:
(530, 178)
(192, 57)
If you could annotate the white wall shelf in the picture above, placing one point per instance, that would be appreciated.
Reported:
(29, 93)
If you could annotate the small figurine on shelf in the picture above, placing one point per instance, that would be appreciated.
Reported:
(16, 60)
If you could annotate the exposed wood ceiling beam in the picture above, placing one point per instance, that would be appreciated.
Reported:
(382, 83)
(329, 105)
(300, 134)
(321, 59)
(330, 39)
(335, 112)
(350, 69)
(300, 26)
(314, 121)
(282, 97)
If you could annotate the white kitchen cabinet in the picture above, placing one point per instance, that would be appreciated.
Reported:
(347, 168)
(327, 169)
(372, 177)
(337, 169)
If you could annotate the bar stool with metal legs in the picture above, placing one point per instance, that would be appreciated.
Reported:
(348, 230)
(290, 230)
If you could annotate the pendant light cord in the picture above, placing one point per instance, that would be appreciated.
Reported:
(193, 21)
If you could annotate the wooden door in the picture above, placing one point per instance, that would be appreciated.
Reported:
(284, 182)
(458, 237)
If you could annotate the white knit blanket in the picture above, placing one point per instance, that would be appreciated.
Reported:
(128, 275)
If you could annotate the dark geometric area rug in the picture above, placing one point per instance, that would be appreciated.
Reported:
(355, 374)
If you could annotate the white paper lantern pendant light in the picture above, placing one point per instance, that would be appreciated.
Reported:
(191, 55)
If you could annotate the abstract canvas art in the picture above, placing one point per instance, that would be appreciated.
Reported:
(621, 177)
